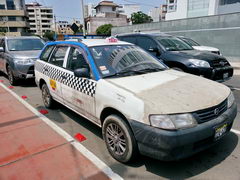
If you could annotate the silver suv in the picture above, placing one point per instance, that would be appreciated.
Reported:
(18, 55)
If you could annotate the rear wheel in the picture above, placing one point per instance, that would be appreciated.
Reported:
(119, 139)
(47, 98)
(11, 78)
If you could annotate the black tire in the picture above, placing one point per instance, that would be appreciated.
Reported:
(178, 69)
(48, 101)
(12, 80)
(119, 139)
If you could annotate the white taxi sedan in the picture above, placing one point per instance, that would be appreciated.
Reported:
(140, 104)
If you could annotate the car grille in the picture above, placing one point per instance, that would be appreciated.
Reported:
(31, 70)
(210, 113)
(220, 63)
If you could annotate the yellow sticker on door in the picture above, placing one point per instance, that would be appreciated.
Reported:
(53, 84)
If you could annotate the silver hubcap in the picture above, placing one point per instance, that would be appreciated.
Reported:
(116, 139)
(46, 96)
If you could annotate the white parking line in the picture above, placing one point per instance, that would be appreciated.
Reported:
(94, 159)
(235, 131)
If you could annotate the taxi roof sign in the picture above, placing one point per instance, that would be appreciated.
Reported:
(111, 39)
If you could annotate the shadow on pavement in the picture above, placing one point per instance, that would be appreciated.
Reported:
(194, 165)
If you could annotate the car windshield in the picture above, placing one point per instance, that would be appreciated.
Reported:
(190, 42)
(25, 44)
(173, 44)
(124, 60)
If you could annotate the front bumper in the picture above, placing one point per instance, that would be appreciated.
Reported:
(24, 71)
(216, 74)
(174, 145)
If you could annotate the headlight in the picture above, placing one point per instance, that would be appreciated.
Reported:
(24, 61)
(172, 122)
(230, 100)
(199, 63)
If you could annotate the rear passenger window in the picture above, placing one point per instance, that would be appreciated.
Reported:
(46, 53)
(58, 56)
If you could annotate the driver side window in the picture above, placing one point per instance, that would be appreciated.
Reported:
(76, 60)
(146, 43)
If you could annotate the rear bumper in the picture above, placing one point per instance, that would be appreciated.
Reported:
(174, 145)
(216, 74)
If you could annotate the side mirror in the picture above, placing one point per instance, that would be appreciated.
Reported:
(153, 49)
(82, 72)
(1, 49)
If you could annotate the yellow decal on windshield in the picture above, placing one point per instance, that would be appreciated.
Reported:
(53, 84)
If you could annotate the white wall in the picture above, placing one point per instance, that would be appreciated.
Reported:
(181, 11)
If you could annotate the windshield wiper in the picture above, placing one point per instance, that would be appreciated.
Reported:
(121, 73)
(131, 72)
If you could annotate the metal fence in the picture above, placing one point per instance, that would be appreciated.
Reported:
(221, 31)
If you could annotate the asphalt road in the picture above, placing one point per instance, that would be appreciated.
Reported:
(220, 162)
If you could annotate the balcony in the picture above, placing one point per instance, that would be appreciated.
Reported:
(12, 13)
(14, 24)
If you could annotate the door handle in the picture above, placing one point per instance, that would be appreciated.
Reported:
(63, 77)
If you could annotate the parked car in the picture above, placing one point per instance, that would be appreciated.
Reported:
(140, 104)
(180, 56)
(199, 47)
(18, 55)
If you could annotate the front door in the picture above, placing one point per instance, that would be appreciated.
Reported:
(78, 93)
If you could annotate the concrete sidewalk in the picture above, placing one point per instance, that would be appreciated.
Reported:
(30, 149)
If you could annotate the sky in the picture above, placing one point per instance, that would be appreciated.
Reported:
(69, 9)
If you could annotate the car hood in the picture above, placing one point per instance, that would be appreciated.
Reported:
(194, 54)
(25, 54)
(171, 92)
(205, 48)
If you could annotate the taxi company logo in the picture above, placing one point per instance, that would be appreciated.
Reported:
(216, 111)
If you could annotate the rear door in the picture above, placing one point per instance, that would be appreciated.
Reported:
(78, 93)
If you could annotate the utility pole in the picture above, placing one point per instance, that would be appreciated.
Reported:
(84, 31)
(55, 26)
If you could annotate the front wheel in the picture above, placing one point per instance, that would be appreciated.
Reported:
(47, 98)
(119, 139)
(11, 78)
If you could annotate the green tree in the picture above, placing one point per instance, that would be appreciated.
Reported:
(104, 29)
(140, 17)
(49, 35)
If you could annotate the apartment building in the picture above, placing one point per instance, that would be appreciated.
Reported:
(196, 8)
(40, 18)
(158, 13)
(106, 13)
(13, 17)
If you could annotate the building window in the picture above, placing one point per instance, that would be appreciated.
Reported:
(13, 29)
(12, 18)
(10, 5)
(2, 6)
(225, 2)
(196, 4)
(172, 5)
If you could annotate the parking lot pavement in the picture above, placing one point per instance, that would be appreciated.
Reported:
(33, 148)
(220, 162)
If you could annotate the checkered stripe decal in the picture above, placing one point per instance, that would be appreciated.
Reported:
(85, 86)
(39, 66)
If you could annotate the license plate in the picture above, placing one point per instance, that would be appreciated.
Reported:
(220, 131)
(225, 75)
